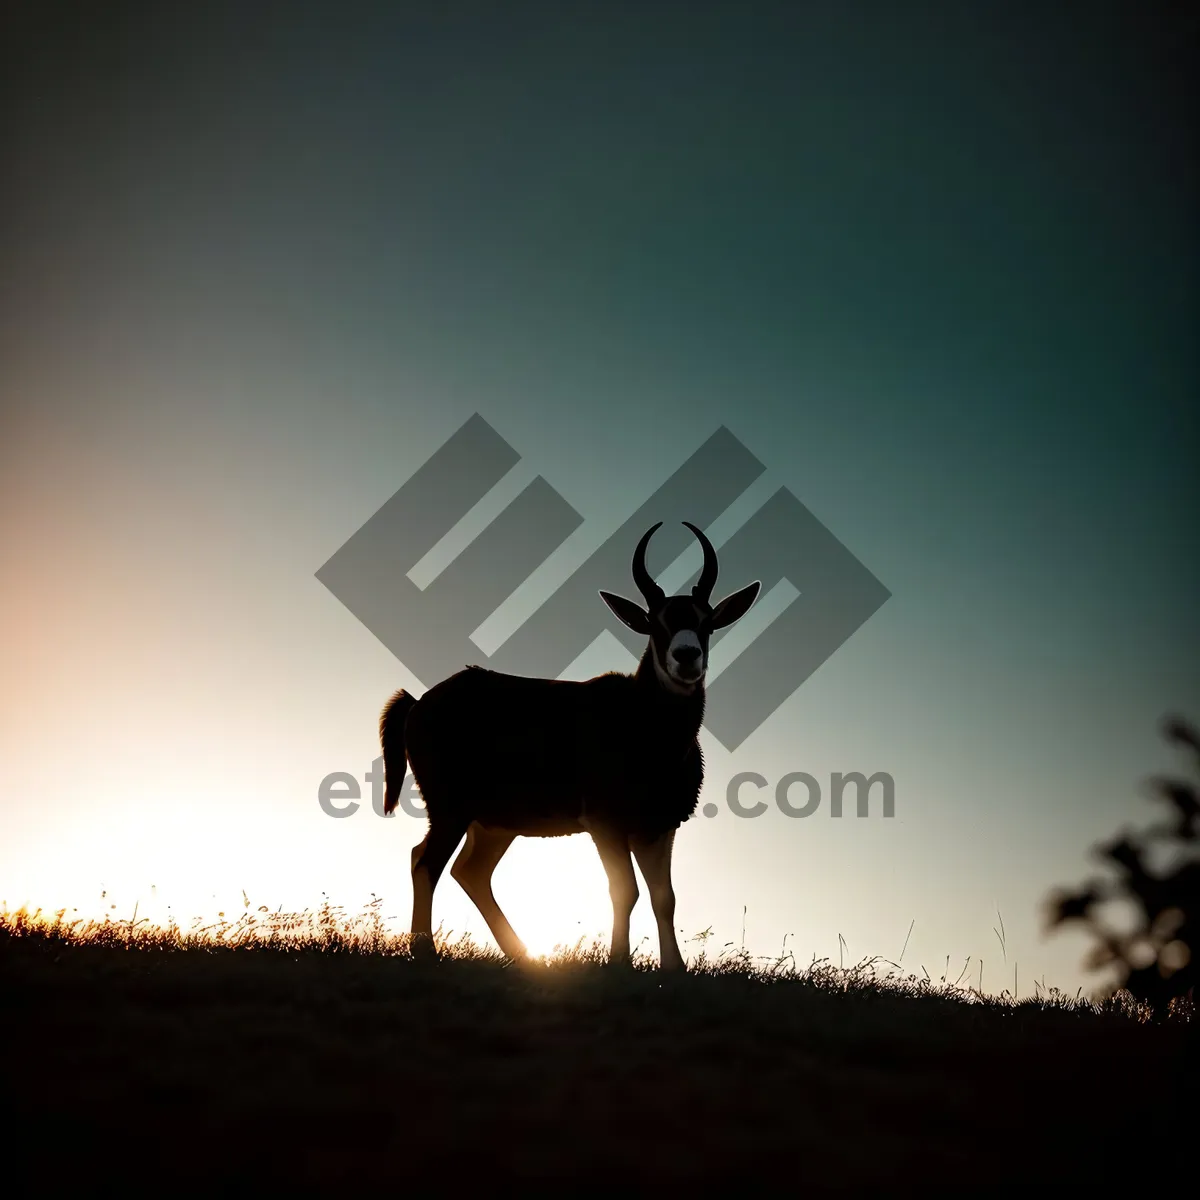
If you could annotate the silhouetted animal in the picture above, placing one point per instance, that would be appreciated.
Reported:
(618, 757)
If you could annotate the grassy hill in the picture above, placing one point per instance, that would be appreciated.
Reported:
(321, 1055)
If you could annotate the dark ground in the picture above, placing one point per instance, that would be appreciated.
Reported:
(189, 1069)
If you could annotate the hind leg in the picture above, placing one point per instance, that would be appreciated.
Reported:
(473, 869)
(429, 860)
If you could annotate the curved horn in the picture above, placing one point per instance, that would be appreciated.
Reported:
(708, 576)
(650, 590)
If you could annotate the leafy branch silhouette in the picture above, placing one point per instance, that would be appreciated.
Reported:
(1155, 961)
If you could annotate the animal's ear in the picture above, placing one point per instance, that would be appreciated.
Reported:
(735, 606)
(627, 612)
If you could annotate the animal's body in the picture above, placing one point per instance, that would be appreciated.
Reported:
(618, 757)
(544, 754)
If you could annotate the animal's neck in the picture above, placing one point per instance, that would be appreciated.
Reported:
(682, 712)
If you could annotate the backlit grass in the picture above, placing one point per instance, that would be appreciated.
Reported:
(332, 930)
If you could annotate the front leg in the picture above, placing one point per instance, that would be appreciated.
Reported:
(654, 859)
(613, 848)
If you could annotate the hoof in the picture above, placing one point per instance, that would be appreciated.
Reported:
(422, 948)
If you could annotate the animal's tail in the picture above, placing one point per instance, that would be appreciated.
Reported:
(391, 738)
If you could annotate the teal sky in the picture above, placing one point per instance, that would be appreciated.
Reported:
(936, 269)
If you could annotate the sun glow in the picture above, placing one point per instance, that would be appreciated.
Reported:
(553, 891)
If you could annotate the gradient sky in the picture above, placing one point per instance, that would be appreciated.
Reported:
(935, 268)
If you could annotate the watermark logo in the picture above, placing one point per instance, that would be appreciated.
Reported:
(429, 629)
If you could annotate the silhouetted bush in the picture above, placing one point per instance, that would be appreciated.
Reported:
(1156, 960)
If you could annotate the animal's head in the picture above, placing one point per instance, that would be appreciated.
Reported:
(679, 626)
